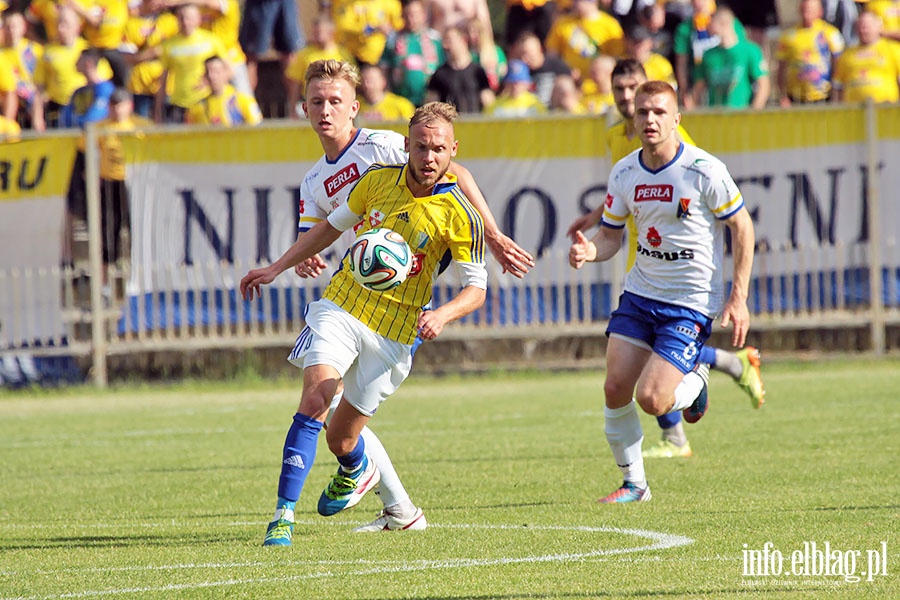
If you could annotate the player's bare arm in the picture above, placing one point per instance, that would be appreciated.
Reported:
(603, 246)
(312, 266)
(512, 257)
(735, 311)
(585, 222)
(312, 242)
(431, 322)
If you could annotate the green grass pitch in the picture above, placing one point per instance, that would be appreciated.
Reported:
(164, 492)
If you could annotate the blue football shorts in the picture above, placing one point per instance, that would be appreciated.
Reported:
(674, 332)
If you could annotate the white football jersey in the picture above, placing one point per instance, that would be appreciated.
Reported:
(678, 210)
(327, 185)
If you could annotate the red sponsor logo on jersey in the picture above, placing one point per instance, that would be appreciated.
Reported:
(653, 193)
(301, 206)
(418, 261)
(609, 200)
(653, 237)
(345, 176)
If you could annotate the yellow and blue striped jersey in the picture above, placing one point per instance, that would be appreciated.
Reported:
(433, 226)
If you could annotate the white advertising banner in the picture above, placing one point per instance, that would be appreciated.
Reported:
(34, 176)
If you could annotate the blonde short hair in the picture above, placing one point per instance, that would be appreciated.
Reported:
(434, 112)
(330, 70)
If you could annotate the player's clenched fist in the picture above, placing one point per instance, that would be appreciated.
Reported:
(582, 250)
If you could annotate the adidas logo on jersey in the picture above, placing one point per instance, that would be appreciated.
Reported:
(295, 460)
(404, 216)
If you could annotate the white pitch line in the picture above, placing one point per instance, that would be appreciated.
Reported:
(660, 541)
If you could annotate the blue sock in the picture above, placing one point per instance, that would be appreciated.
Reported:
(669, 420)
(707, 355)
(352, 461)
(299, 454)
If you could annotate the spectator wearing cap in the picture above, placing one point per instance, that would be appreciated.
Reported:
(639, 46)
(516, 99)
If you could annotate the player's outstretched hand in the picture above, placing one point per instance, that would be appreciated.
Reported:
(737, 315)
(254, 279)
(311, 267)
(512, 257)
(581, 251)
(583, 223)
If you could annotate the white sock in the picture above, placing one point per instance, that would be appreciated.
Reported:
(728, 362)
(625, 436)
(390, 489)
(687, 391)
(401, 510)
(675, 434)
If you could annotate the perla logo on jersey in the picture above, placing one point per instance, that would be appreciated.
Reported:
(336, 182)
(653, 193)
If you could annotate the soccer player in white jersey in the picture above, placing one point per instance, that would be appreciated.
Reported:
(331, 107)
(363, 339)
(744, 365)
(681, 198)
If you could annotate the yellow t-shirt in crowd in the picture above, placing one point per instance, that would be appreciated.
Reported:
(620, 146)
(888, 10)
(872, 71)
(296, 69)
(148, 32)
(658, 68)
(47, 13)
(112, 156)
(578, 41)
(109, 34)
(390, 108)
(226, 24)
(183, 57)
(523, 105)
(360, 24)
(56, 72)
(10, 131)
(227, 110)
(808, 54)
(432, 226)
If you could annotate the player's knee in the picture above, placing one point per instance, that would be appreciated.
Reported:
(314, 405)
(617, 393)
(653, 403)
(338, 443)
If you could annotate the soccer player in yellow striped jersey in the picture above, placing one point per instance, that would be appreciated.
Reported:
(362, 339)
(743, 366)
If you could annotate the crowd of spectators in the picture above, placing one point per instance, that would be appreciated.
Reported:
(195, 61)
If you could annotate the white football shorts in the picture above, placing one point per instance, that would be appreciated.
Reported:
(372, 367)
